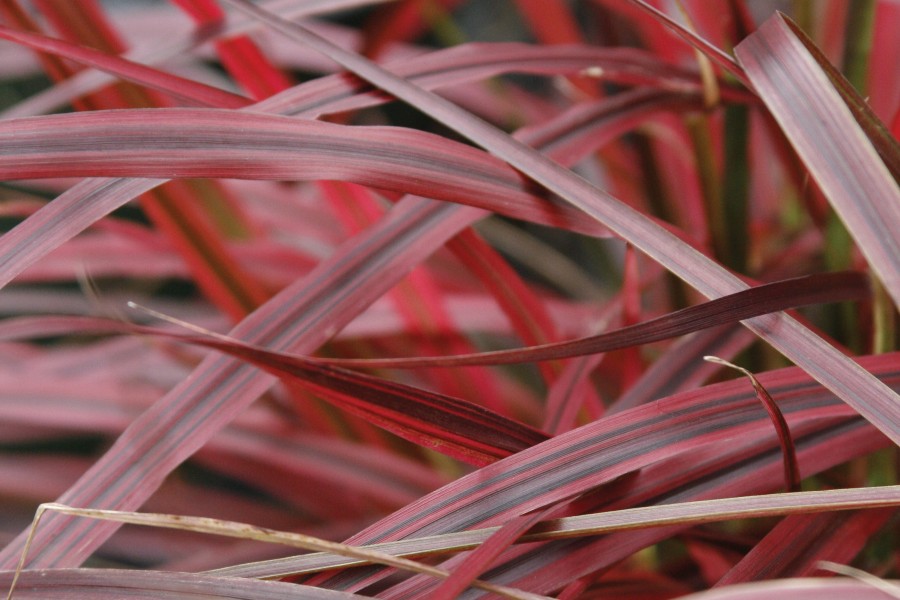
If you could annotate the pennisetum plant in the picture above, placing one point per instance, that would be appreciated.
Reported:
(423, 288)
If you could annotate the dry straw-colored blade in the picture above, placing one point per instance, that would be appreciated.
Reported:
(252, 532)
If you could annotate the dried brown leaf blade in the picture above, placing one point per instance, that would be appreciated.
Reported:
(251, 532)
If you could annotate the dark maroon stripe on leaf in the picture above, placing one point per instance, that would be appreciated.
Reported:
(759, 300)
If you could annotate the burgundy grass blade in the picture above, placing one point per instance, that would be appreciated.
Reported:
(480, 560)
(452, 426)
(80, 395)
(458, 428)
(662, 485)
(854, 385)
(824, 132)
(788, 450)
(302, 317)
(555, 564)
(759, 300)
(797, 544)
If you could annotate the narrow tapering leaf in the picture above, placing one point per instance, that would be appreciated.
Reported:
(759, 300)
(836, 151)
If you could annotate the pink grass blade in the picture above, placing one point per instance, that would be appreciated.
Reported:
(854, 385)
(837, 152)
(104, 584)
(196, 229)
(709, 50)
(418, 298)
(239, 55)
(170, 143)
(178, 87)
(479, 61)
(69, 214)
(80, 395)
(522, 306)
(180, 42)
(885, 144)
(555, 564)
(751, 302)
(798, 589)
